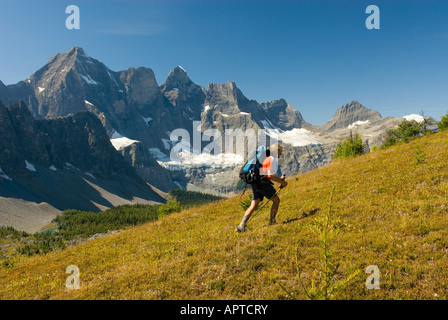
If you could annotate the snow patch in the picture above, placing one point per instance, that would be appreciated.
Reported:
(245, 113)
(40, 89)
(29, 166)
(113, 78)
(119, 141)
(147, 120)
(53, 168)
(178, 184)
(206, 108)
(70, 166)
(88, 79)
(89, 103)
(4, 176)
(159, 155)
(357, 124)
(189, 160)
(90, 175)
(267, 124)
(167, 144)
(182, 69)
(415, 117)
(224, 115)
(122, 142)
(295, 137)
(204, 159)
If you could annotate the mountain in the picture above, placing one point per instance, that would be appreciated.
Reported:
(393, 216)
(72, 82)
(184, 94)
(354, 117)
(63, 163)
(131, 105)
(225, 106)
(349, 114)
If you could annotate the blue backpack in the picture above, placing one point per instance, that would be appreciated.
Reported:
(250, 172)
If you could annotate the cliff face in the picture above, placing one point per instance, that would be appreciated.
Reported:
(10, 150)
(79, 140)
(47, 166)
(147, 167)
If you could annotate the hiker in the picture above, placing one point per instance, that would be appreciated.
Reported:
(265, 187)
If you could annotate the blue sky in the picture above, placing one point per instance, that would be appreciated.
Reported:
(316, 54)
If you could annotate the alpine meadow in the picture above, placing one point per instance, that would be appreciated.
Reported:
(386, 208)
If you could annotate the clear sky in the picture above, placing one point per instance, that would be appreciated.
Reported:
(316, 54)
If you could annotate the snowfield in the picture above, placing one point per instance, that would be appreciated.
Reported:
(295, 137)
(189, 159)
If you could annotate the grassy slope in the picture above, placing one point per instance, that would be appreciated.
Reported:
(396, 210)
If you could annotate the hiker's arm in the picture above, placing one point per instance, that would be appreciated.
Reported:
(275, 178)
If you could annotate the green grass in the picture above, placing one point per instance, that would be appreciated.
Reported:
(74, 226)
(390, 207)
(191, 198)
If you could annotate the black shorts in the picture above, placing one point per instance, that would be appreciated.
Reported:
(262, 190)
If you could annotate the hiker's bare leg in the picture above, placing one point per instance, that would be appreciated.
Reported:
(253, 206)
(274, 209)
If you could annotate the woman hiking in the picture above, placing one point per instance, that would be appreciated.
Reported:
(269, 172)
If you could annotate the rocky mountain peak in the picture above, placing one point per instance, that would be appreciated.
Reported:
(72, 77)
(177, 79)
(178, 71)
(184, 94)
(351, 107)
(348, 114)
(62, 62)
(226, 95)
(77, 50)
(3, 91)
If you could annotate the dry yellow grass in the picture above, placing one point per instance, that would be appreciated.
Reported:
(395, 208)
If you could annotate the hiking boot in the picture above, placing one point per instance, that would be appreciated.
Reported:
(240, 228)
